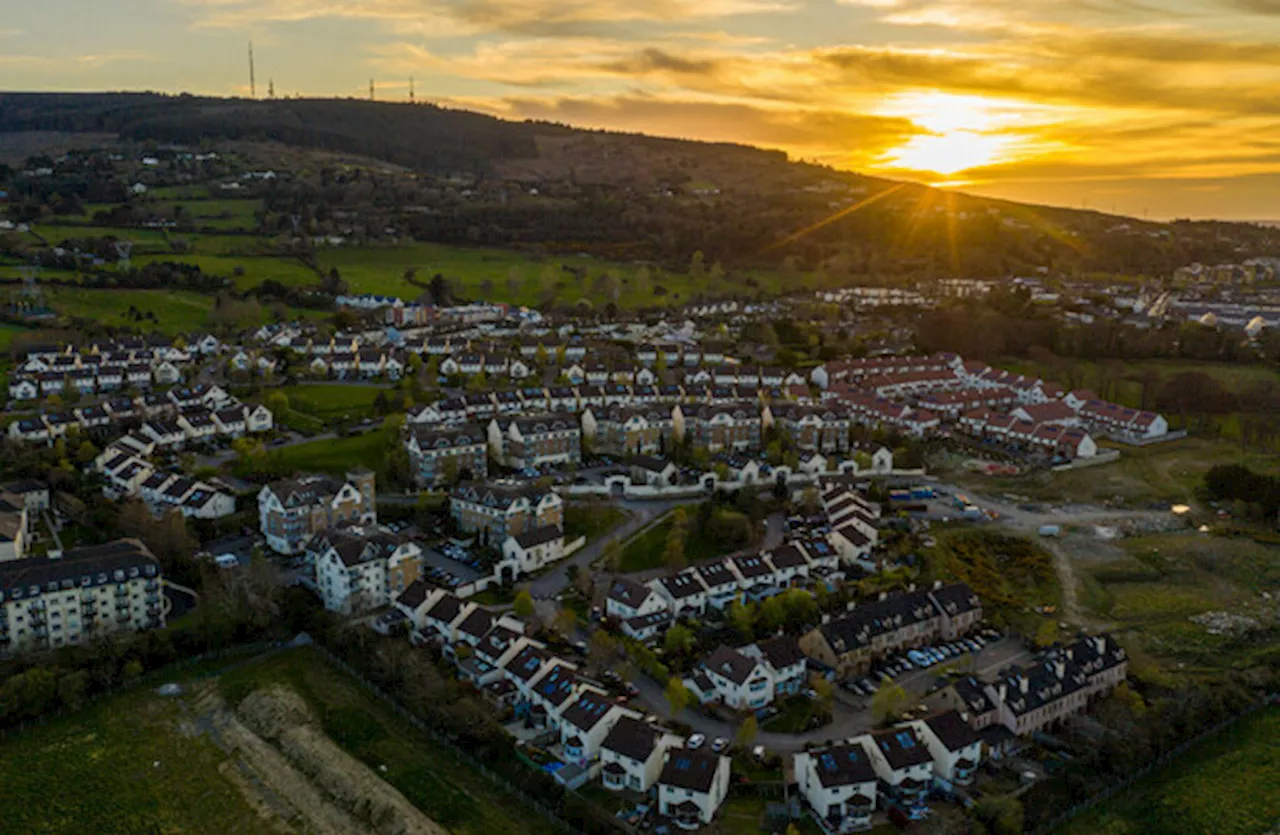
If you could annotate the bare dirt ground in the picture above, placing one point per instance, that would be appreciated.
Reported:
(297, 778)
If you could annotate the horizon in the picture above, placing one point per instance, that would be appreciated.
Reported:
(1118, 108)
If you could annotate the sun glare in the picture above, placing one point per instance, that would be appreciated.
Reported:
(964, 132)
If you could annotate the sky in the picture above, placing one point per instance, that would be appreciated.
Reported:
(1159, 108)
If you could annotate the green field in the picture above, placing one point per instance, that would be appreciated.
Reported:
(451, 793)
(177, 311)
(1227, 785)
(254, 269)
(335, 455)
(1168, 472)
(8, 332)
(221, 214)
(331, 401)
(1148, 593)
(121, 766)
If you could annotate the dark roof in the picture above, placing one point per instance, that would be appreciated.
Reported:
(782, 651)
(682, 585)
(539, 536)
(951, 730)
(956, 599)
(629, 593)
(731, 664)
(87, 566)
(446, 609)
(415, 595)
(588, 711)
(642, 622)
(477, 623)
(974, 695)
(528, 662)
(556, 685)
(716, 573)
(752, 565)
(858, 627)
(901, 747)
(787, 556)
(686, 769)
(843, 765)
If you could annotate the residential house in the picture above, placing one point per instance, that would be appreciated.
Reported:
(633, 753)
(692, 786)
(839, 784)
(955, 747)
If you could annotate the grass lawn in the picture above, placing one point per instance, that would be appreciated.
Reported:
(8, 332)
(221, 214)
(121, 766)
(793, 717)
(592, 520)
(335, 455)
(450, 792)
(1227, 785)
(333, 401)
(644, 551)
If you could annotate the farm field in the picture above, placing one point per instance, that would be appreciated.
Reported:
(120, 766)
(176, 311)
(448, 791)
(1227, 785)
(255, 268)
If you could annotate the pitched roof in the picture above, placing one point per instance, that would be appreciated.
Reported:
(951, 730)
(901, 747)
(686, 769)
(842, 765)
(731, 664)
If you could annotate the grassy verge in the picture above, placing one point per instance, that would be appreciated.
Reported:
(1227, 785)
(335, 455)
(448, 791)
(333, 401)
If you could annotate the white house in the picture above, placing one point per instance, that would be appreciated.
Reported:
(585, 725)
(839, 783)
(903, 763)
(692, 786)
(738, 680)
(955, 746)
(628, 599)
(632, 754)
(682, 593)
(530, 551)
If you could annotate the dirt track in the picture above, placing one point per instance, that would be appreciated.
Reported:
(298, 778)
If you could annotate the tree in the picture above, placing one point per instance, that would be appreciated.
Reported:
(697, 266)
(826, 693)
(679, 639)
(742, 618)
(746, 733)
(523, 605)
(673, 556)
(613, 555)
(602, 647)
(278, 403)
(889, 701)
(565, 622)
(678, 696)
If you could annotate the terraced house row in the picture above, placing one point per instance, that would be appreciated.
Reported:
(127, 473)
(101, 367)
(594, 737)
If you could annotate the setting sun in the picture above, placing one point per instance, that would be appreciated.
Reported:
(963, 132)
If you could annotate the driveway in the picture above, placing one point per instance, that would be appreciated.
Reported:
(851, 714)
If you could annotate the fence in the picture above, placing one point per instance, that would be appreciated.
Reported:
(1164, 759)
(448, 744)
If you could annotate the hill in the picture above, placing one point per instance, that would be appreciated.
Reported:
(478, 179)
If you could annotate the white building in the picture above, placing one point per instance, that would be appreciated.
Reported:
(692, 786)
(632, 754)
(839, 783)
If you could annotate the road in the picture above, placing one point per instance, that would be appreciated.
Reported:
(642, 514)
(848, 720)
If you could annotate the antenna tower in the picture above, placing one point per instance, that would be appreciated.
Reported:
(371, 89)
(271, 88)
(410, 89)
(253, 84)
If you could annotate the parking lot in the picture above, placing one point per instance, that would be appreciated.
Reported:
(446, 563)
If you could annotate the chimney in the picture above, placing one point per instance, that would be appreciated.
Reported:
(911, 588)
(1060, 668)
(1003, 690)
(826, 617)
(1023, 683)
(937, 584)
(883, 595)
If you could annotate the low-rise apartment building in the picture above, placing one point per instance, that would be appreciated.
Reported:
(292, 510)
(362, 568)
(87, 593)
(536, 440)
(496, 511)
(442, 454)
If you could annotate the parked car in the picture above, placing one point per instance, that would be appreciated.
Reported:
(695, 741)
(721, 744)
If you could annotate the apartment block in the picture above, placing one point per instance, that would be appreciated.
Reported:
(292, 510)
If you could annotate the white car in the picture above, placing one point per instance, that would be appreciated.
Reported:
(695, 741)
